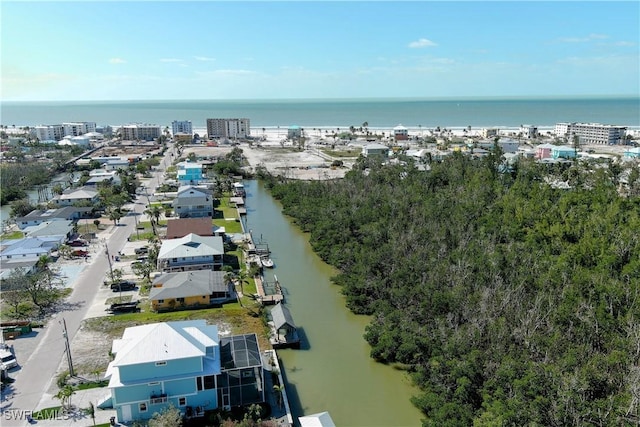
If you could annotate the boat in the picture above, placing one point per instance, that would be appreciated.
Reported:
(266, 262)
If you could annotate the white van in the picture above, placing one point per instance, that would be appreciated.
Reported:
(7, 359)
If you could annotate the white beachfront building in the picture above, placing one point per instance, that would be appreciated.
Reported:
(591, 133)
(181, 126)
(144, 132)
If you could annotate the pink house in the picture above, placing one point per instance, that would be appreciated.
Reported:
(543, 151)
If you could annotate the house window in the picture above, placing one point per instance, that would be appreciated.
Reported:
(9, 256)
(163, 363)
(160, 301)
(142, 407)
(180, 299)
(182, 401)
(174, 259)
(209, 382)
(199, 383)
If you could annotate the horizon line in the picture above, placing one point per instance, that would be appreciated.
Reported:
(350, 99)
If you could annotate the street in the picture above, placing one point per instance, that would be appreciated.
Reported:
(37, 371)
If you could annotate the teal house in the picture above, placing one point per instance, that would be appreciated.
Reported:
(563, 152)
(184, 364)
(190, 173)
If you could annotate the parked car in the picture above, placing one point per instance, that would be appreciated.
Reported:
(80, 252)
(142, 250)
(7, 359)
(77, 243)
(123, 285)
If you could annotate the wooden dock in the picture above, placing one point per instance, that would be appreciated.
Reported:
(270, 298)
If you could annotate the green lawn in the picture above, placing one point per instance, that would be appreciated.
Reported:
(13, 235)
(342, 153)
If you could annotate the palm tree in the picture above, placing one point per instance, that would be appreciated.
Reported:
(154, 213)
(64, 394)
(278, 389)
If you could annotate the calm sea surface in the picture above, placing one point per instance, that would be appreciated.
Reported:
(331, 113)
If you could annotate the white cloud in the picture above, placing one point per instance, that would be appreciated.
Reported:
(589, 38)
(170, 60)
(422, 43)
(117, 61)
(203, 58)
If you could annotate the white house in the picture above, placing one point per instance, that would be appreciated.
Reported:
(191, 252)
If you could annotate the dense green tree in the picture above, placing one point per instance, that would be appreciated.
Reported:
(511, 302)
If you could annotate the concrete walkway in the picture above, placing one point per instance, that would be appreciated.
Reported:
(80, 400)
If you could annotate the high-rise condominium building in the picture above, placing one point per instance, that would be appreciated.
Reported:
(141, 132)
(78, 128)
(181, 126)
(591, 133)
(228, 128)
(49, 132)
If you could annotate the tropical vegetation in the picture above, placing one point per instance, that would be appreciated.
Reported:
(510, 300)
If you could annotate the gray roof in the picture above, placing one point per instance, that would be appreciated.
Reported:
(68, 212)
(187, 284)
(191, 201)
(191, 245)
(281, 316)
(50, 228)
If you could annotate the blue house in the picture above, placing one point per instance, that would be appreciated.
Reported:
(189, 173)
(563, 152)
(183, 364)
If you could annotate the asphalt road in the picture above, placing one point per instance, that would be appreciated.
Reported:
(38, 371)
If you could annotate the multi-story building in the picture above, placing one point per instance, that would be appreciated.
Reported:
(185, 364)
(181, 126)
(490, 132)
(228, 128)
(143, 132)
(529, 131)
(49, 132)
(78, 128)
(591, 133)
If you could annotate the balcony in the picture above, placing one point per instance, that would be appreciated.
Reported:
(157, 399)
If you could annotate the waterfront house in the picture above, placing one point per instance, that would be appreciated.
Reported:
(190, 289)
(294, 132)
(185, 364)
(102, 175)
(70, 197)
(238, 189)
(563, 152)
(400, 133)
(191, 252)
(190, 173)
(379, 150)
(177, 228)
(543, 151)
(193, 202)
(38, 216)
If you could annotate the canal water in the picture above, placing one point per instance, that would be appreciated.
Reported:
(333, 370)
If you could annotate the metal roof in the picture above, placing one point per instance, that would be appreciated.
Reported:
(281, 316)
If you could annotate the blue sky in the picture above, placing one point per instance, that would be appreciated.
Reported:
(271, 50)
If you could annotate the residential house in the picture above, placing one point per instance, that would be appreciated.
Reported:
(27, 248)
(321, 419)
(400, 133)
(193, 202)
(632, 153)
(543, 151)
(7, 268)
(191, 252)
(102, 175)
(380, 150)
(189, 289)
(190, 173)
(177, 228)
(38, 216)
(185, 364)
(563, 152)
(70, 197)
(61, 230)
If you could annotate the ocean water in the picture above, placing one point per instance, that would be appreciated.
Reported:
(412, 113)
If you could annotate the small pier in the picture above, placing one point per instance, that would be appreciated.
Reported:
(269, 293)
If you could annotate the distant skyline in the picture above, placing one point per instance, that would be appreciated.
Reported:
(161, 50)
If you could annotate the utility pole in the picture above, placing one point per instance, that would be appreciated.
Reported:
(106, 251)
(67, 347)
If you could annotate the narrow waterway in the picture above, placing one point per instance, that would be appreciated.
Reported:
(333, 371)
